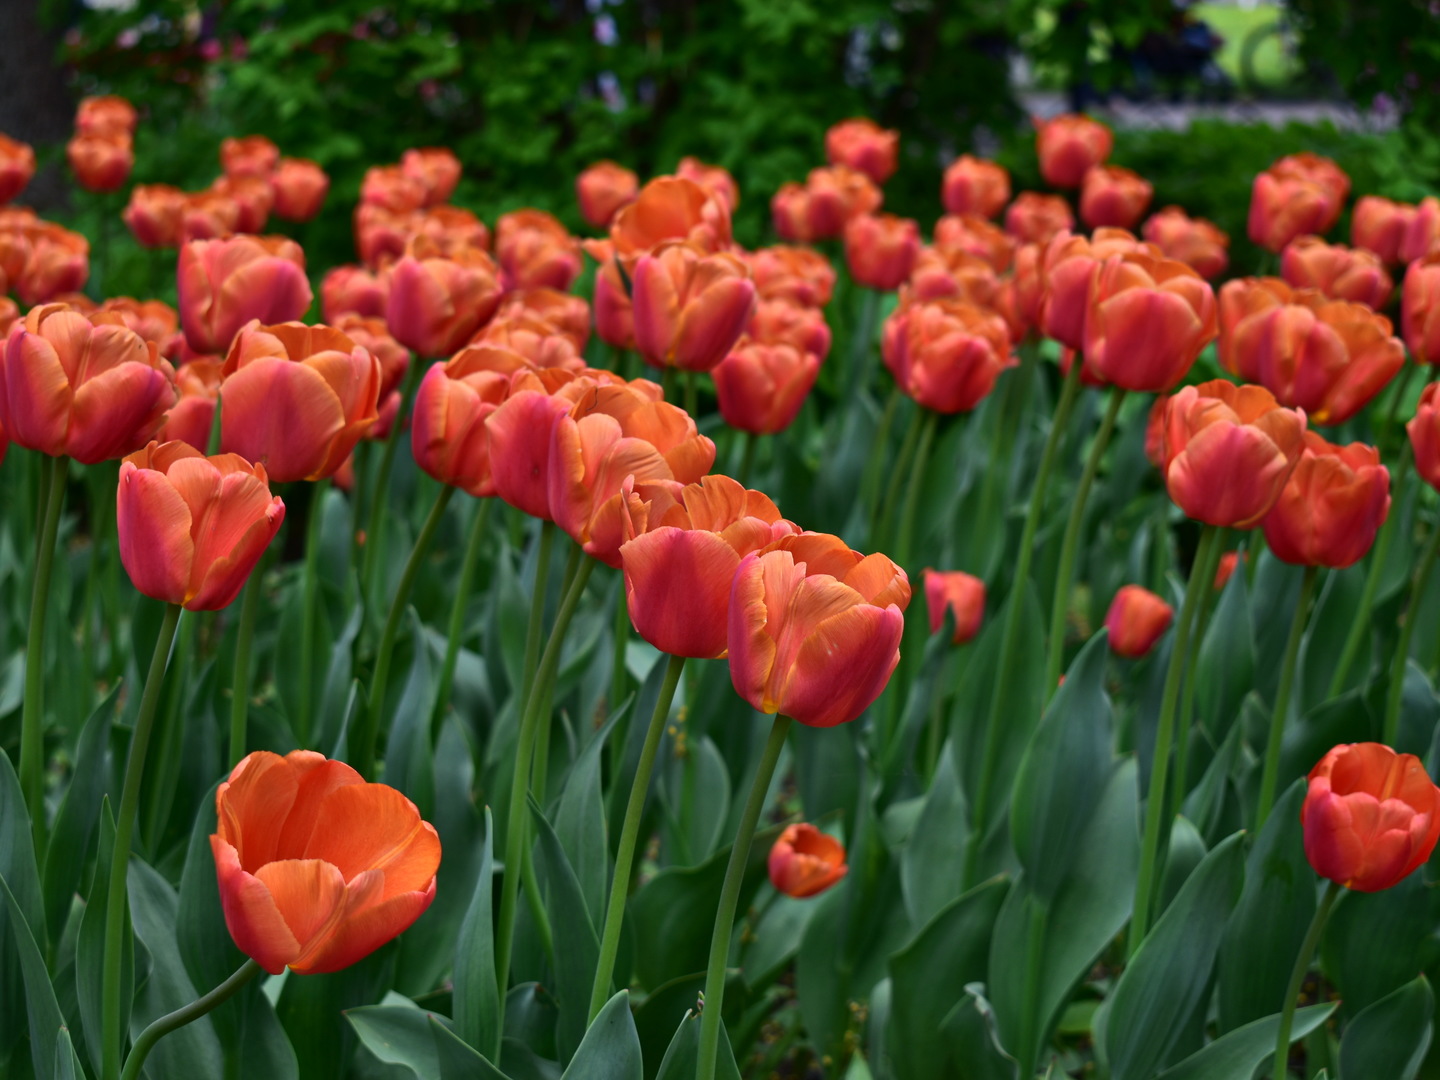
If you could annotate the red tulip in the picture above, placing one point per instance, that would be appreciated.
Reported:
(614, 314)
(780, 322)
(208, 215)
(689, 307)
(105, 115)
(1423, 429)
(1149, 320)
(836, 195)
(1136, 620)
(790, 213)
(864, 146)
(761, 387)
(1420, 309)
(1034, 218)
(975, 186)
(437, 304)
(950, 272)
(1331, 507)
(1068, 270)
(17, 166)
(435, 168)
(155, 215)
(713, 178)
(946, 354)
(1114, 196)
(1194, 241)
(798, 274)
(100, 162)
(57, 263)
(1228, 562)
(603, 189)
(1297, 195)
(958, 592)
(538, 340)
(224, 284)
(805, 862)
(667, 208)
(976, 236)
(1068, 146)
(535, 251)
(449, 437)
(153, 320)
(253, 197)
(1339, 272)
(880, 250)
(1380, 225)
(300, 186)
(394, 188)
(1422, 232)
(253, 155)
(567, 314)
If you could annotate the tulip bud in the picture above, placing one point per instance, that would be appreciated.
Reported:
(299, 186)
(976, 236)
(1114, 196)
(435, 168)
(353, 289)
(1423, 429)
(1299, 194)
(1137, 619)
(790, 213)
(864, 146)
(224, 284)
(155, 215)
(1339, 272)
(535, 251)
(17, 166)
(880, 250)
(603, 189)
(253, 197)
(779, 322)
(946, 354)
(761, 387)
(57, 263)
(1420, 309)
(1149, 319)
(437, 304)
(106, 115)
(1068, 271)
(1194, 241)
(253, 155)
(960, 593)
(798, 274)
(713, 178)
(1068, 146)
(1331, 507)
(805, 862)
(690, 308)
(100, 162)
(1034, 218)
(1422, 232)
(975, 186)
(448, 437)
(1379, 225)
(193, 414)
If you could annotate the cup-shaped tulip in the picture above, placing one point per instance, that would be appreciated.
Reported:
(297, 399)
(790, 213)
(87, 387)
(835, 195)
(780, 322)
(881, 249)
(1422, 231)
(959, 593)
(17, 166)
(1229, 451)
(9, 315)
(565, 313)
(1420, 309)
(798, 274)
(518, 438)
(1022, 294)
(1068, 146)
(1136, 620)
(1114, 196)
(1240, 300)
(1068, 268)
(863, 145)
(448, 435)
(191, 527)
(437, 170)
(1423, 429)
(299, 186)
(535, 251)
(1379, 225)
(815, 639)
(101, 162)
(976, 236)
(253, 197)
(680, 562)
(951, 272)
(805, 862)
(436, 304)
(603, 189)
(539, 341)
(1035, 218)
(381, 234)
(690, 308)
(155, 215)
(373, 336)
(224, 284)
(104, 115)
(353, 289)
(1198, 243)
(58, 262)
(715, 179)
(153, 320)
(974, 185)
(317, 869)
(447, 230)
(1149, 320)
(1331, 507)
(1371, 816)
(762, 386)
(193, 414)
(946, 354)
(390, 187)
(1285, 207)
(208, 215)
(1339, 272)
(1317, 170)
(250, 155)
(668, 208)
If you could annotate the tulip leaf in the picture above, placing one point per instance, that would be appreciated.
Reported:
(398, 1035)
(680, 1057)
(67, 1063)
(580, 823)
(41, 1008)
(932, 863)
(611, 1048)
(339, 678)
(350, 711)
(974, 1040)
(1225, 666)
(694, 790)
(1239, 1052)
(1375, 942)
(774, 939)
(17, 851)
(477, 1001)
(409, 760)
(1205, 804)
(1169, 975)
(90, 946)
(457, 1059)
(204, 941)
(1183, 854)
(1277, 591)
(1335, 613)
(1390, 1037)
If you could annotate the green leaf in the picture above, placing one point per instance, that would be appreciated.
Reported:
(1335, 613)
(975, 1042)
(1390, 1037)
(477, 999)
(695, 789)
(1374, 943)
(932, 863)
(611, 1048)
(40, 1006)
(67, 1062)
(681, 1055)
(1225, 666)
(409, 757)
(398, 1035)
(457, 1060)
(17, 852)
(577, 947)
(90, 946)
(1241, 1051)
(580, 823)
(1185, 852)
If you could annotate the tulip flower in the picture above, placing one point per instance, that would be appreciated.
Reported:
(372, 335)
(394, 188)
(805, 862)
(297, 398)
(9, 314)
(353, 289)
(1228, 562)
(1022, 293)
(798, 274)
(815, 628)
(253, 155)
(1149, 320)
(153, 320)
(209, 215)
(681, 559)
(959, 593)
(1068, 269)
(779, 322)
(1285, 206)
(689, 307)
(381, 234)
(535, 251)
(253, 197)
(713, 178)
(1423, 429)
(192, 527)
(155, 215)
(437, 304)
(1068, 146)
(668, 208)
(864, 146)
(193, 414)
(1371, 816)
(1114, 196)
(836, 195)
(603, 189)
(1380, 225)
(299, 186)
(317, 869)
(57, 263)
(973, 185)
(1137, 619)
(946, 354)
(88, 388)
(1331, 507)
(881, 249)
(1034, 218)
(539, 341)
(17, 166)
(436, 168)
(1420, 309)
(1317, 170)
(790, 213)
(100, 162)
(1229, 451)
(614, 314)
(1339, 272)
(448, 436)
(942, 272)
(1196, 242)
(105, 115)
(976, 236)
(566, 314)
(1422, 232)
(518, 441)
(762, 386)
(224, 284)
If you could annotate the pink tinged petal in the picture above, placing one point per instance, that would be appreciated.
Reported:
(118, 412)
(712, 322)
(37, 394)
(520, 434)
(251, 915)
(843, 665)
(227, 575)
(281, 415)
(655, 310)
(153, 523)
(677, 586)
(1151, 339)
(271, 289)
(1228, 474)
(750, 646)
(1331, 843)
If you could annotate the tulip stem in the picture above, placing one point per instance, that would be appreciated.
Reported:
(308, 611)
(714, 1000)
(912, 490)
(1407, 631)
(1187, 696)
(619, 673)
(901, 468)
(1281, 1069)
(629, 833)
(667, 384)
(540, 771)
(1202, 576)
(1069, 547)
(692, 394)
(1271, 772)
(750, 442)
(1010, 632)
(112, 1036)
(32, 717)
(875, 460)
(162, 1026)
(860, 349)
(240, 680)
(463, 589)
(375, 527)
(536, 628)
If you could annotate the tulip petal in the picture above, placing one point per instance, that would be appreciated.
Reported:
(677, 586)
(153, 523)
(118, 411)
(280, 414)
(251, 916)
(843, 665)
(309, 894)
(394, 839)
(365, 927)
(37, 394)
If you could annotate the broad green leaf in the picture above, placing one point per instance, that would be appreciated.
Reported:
(1334, 615)
(1239, 1052)
(580, 823)
(974, 1040)
(67, 1062)
(774, 939)
(41, 1009)
(312, 1010)
(530, 1017)
(398, 1035)
(477, 1000)
(409, 756)
(932, 863)
(1184, 853)
(577, 947)
(90, 946)
(695, 789)
(457, 1060)
(610, 1049)
(17, 852)
(1390, 1037)
(1225, 667)
(1374, 943)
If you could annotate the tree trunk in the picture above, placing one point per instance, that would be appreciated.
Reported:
(37, 106)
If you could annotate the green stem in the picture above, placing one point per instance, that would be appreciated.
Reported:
(862, 351)
(535, 630)
(1202, 576)
(714, 1000)
(667, 384)
(457, 610)
(158, 1029)
(629, 833)
(1070, 546)
(32, 717)
(875, 460)
(1271, 772)
(1407, 631)
(1010, 632)
(692, 394)
(619, 673)
(375, 527)
(750, 443)
(240, 680)
(539, 781)
(892, 493)
(308, 612)
(1187, 695)
(1034, 971)
(170, 734)
(112, 1036)
(912, 490)
(1392, 411)
(1280, 1069)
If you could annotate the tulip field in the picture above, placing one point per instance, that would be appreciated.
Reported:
(989, 647)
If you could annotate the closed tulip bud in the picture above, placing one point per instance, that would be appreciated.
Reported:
(317, 869)
(299, 186)
(1229, 451)
(105, 115)
(57, 263)
(946, 354)
(89, 388)
(353, 289)
(101, 162)
(798, 274)
(1149, 320)
(1068, 146)
(192, 527)
(975, 186)
(1069, 267)
(224, 284)
(976, 236)
(713, 178)
(779, 322)
(1331, 507)
(790, 213)
(1371, 816)
(567, 314)
(679, 569)
(252, 155)
(1034, 218)
(1283, 208)
(690, 308)
(448, 437)
(1339, 272)
(667, 208)
(1114, 196)
(17, 166)
(539, 341)
(761, 386)
(437, 304)
(1379, 225)
(297, 399)
(193, 414)
(155, 215)
(535, 251)
(836, 195)
(958, 593)
(864, 146)
(1423, 429)
(1136, 620)
(1422, 234)
(950, 272)
(253, 197)
(603, 189)
(1197, 243)
(805, 862)
(436, 169)
(881, 249)
(614, 314)
(1420, 309)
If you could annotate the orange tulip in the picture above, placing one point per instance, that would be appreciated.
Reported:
(100, 162)
(393, 188)
(1283, 207)
(518, 443)
(603, 189)
(1317, 170)
(224, 284)
(297, 398)
(1022, 293)
(299, 186)
(1420, 309)
(536, 251)
(9, 314)
(1379, 225)
(17, 166)
(762, 386)
(1068, 146)
(1332, 506)
(790, 213)
(815, 628)
(447, 231)
(975, 186)
(105, 116)
(1371, 816)
(193, 414)
(976, 236)
(1339, 272)
(1149, 320)
(538, 340)
(805, 862)
(836, 195)
(253, 197)
(1422, 233)
(779, 322)
(353, 289)
(713, 178)
(689, 307)
(317, 869)
(1239, 300)
(448, 436)
(1136, 620)
(192, 527)
(1423, 429)
(567, 314)
(253, 155)
(881, 249)
(864, 146)
(53, 262)
(959, 593)
(681, 559)
(668, 208)
(435, 168)
(1194, 241)
(437, 304)
(155, 215)
(1229, 451)
(951, 272)
(372, 335)
(209, 215)
(1034, 218)
(153, 320)
(381, 234)
(946, 354)
(798, 274)
(614, 314)
(1068, 270)
(1114, 196)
